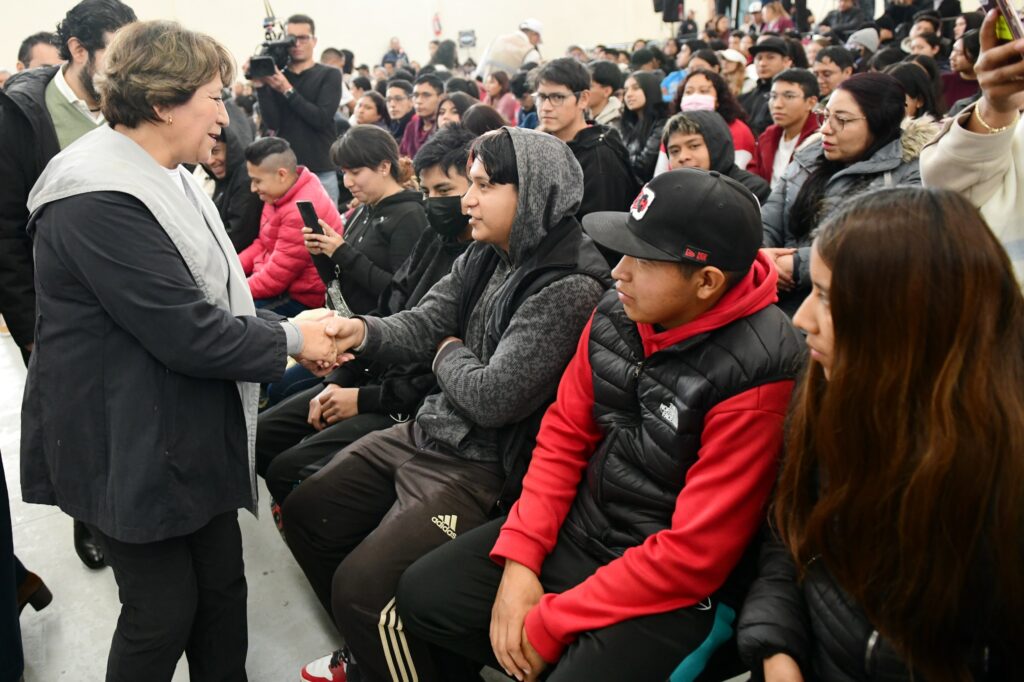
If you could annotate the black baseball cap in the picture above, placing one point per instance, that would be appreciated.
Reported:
(685, 216)
(771, 44)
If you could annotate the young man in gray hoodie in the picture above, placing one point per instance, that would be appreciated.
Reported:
(500, 330)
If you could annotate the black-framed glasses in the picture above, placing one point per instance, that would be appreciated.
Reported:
(557, 99)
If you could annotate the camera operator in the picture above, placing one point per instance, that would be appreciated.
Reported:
(299, 103)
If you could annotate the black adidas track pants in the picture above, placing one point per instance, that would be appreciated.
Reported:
(356, 525)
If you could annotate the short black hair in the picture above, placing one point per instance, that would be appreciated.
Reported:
(695, 44)
(257, 152)
(363, 83)
(302, 19)
(707, 55)
(802, 77)
(331, 52)
(89, 20)
(930, 16)
(402, 84)
(565, 71)
(431, 80)
(447, 148)
(404, 74)
(456, 84)
(886, 57)
(642, 56)
(350, 60)
(41, 38)
(606, 73)
(520, 84)
(366, 146)
(482, 118)
(498, 156)
(838, 55)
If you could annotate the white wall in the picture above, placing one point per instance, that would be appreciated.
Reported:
(364, 26)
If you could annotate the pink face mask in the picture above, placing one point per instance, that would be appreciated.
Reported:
(697, 103)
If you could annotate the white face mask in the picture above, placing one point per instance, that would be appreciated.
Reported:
(697, 103)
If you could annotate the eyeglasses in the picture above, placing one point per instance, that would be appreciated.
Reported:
(395, 99)
(788, 96)
(557, 99)
(836, 123)
(302, 39)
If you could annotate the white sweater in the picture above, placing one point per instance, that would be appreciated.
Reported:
(989, 171)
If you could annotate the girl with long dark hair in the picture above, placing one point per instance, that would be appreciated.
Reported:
(706, 90)
(643, 116)
(898, 543)
(861, 147)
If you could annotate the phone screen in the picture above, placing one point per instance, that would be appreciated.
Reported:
(309, 217)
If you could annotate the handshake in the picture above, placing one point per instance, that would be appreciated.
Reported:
(327, 340)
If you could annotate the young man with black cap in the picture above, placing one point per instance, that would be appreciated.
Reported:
(771, 57)
(627, 551)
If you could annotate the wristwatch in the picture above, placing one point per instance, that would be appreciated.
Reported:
(289, 93)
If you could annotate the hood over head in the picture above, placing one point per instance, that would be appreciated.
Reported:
(550, 189)
(718, 139)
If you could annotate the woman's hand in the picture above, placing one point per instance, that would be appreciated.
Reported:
(519, 591)
(326, 243)
(783, 260)
(782, 668)
(1001, 78)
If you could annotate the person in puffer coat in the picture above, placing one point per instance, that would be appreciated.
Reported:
(897, 543)
(281, 274)
(863, 145)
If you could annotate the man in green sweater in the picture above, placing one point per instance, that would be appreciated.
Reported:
(42, 111)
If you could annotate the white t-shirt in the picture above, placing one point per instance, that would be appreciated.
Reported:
(783, 156)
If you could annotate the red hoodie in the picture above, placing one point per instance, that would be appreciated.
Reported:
(720, 507)
(768, 145)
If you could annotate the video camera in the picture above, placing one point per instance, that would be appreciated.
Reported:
(274, 52)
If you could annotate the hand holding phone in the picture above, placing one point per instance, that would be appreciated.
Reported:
(309, 217)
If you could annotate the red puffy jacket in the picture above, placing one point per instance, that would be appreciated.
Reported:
(278, 263)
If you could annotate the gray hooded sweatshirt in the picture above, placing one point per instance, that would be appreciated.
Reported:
(486, 385)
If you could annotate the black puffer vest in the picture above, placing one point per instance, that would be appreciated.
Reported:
(652, 414)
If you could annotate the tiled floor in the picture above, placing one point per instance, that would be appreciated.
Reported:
(70, 638)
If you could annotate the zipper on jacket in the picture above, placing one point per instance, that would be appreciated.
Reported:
(637, 370)
(869, 653)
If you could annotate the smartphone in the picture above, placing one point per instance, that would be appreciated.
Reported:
(1009, 26)
(309, 217)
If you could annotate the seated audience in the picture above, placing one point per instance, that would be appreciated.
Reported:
(771, 57)
(295, 438)
(563, 94)
(931, 472)
(707, 91)
(700, 139)
(426, 94)
(844, 20)
(605, 81)
(239, 207)
(960, 85)
(629, 547)
(862, 147)
(793, 99)
(452, 107)
(281, 274)
(503, 323)
(643, 117)
(499, 95)
(832, 66)
(980, 153)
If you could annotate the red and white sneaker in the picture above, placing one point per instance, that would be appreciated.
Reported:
(330, 668)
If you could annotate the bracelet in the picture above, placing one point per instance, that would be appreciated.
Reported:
(990, 129)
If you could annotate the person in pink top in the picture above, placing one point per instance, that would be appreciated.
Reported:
(499, 95)
(280, 271)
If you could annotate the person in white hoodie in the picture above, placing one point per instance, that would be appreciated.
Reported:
(980, 153)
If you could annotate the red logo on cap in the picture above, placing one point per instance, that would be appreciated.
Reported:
(642, 202)
(695, 254)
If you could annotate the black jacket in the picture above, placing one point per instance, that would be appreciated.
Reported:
(306, 119)
(398, 389)
(722, 151)
(27, 143)
(755, 103)
(397, 126)
(819, 625)
(642, 136)
(378, 239)
(132, 420)
(608, 181)
(239, 207)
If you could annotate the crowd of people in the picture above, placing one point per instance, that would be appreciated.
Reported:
(671, 362)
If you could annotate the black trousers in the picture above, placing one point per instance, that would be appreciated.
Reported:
(11, 660)
(446, 597)
(181, 595)
(289, 450)
(358, 523)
